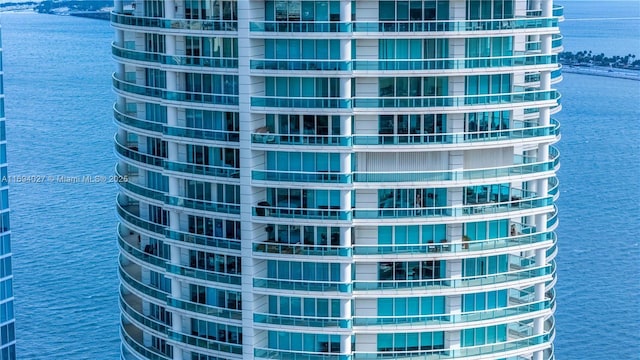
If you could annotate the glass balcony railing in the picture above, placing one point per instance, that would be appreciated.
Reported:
(403, 26)
(297, 249)
(465, 317)
(147, 353)
(204, 275)
(454, 64)
(406, 102)
(260, 353)
(177, 60)
(210, 344)
(301, 176)
(173, 24)
(143, 288)
(137, 123)
(408, 212)
(403, 64)
(301, 285)
(302, 213)
(204, 205)
(495, 349)
(306, 321)
(300, 65)
(141, 255)
(455, 101)
(199, 239)
(558, 10)
(552, 221)
(199, 169)
(458, 247)
(300, 139)
(455, 25)
(183, 96)
(131, 152)
(301, 102)
(203, 134)
(504, 278)
(134, 219)
(473, 174)
(556, 41)
(300, 26)
(459, 138)
(141, 190)
(202, 309)
(145, 320)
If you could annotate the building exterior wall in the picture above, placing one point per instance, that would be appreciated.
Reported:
(337, 179)
(7, 319)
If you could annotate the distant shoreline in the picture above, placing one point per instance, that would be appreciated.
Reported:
(602, 71)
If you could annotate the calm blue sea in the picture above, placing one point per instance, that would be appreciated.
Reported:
(609, 27)
(58, 101)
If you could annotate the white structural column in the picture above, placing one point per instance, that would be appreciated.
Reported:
(345, 168)
(543, 155)
(247, 163)
(174, 184)
(455, 124)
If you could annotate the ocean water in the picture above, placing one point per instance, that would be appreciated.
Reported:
(58, 101)
(609, 27)
(598, 290)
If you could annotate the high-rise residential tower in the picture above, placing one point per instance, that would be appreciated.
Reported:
(7, 320)
(337, 180)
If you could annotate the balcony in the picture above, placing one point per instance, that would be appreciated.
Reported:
(129, 245)
(321, 213)
(201, 239)
(132, 279)
(517, 60)
(301, 285)
(528, 310)
(203, 205)
(119, 20)
(304, 321)
(467, 248)
(130, 153)
(173, 60)
(524, 98)
(471, 138)
(131, 307)
(132, 339)
(225, 171)
(127, 120)
(202, 134)
(133, 188)
(270, 247)
(528, 275)
(401, 26)
(203, 309)
(260, 65)
(210, 344)
(128, 89)
(263, 136)
(189, 272)
(322, 177)
(129, 214)
(488, 174)
(300, 27)
(503, 349)
(301, 102)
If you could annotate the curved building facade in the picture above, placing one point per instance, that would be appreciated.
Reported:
(343, 180)
(7, 319)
